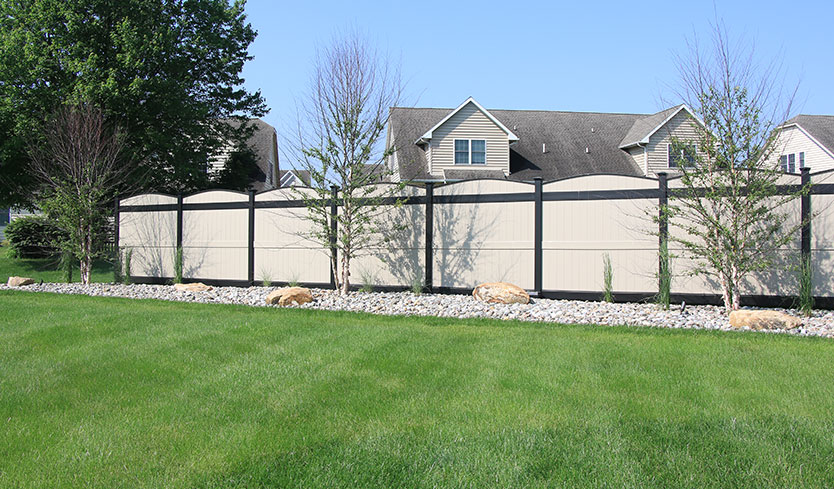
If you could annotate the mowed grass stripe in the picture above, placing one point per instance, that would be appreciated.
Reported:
(104, 392)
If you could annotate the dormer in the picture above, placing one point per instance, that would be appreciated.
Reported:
(468, 139)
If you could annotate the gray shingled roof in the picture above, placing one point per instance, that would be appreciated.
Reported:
(821, 127)
(454, 174)
(565, 134)
(643, 127)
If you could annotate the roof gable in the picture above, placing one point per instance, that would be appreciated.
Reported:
(820, 128)
(428, 134)
(644, 128)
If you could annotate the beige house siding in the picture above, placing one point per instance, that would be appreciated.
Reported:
(468, 123)
(792, 140)
(638, 153)
(683, 127)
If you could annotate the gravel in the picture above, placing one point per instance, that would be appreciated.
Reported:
(821, 323)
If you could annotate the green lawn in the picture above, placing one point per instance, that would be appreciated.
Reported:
(46, 269)
(99, 392)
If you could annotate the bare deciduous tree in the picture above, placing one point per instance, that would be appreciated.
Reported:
(339, 140)
(733, 216)
(80, 167)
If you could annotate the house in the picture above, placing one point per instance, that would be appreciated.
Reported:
(264, 144)
(442, 145)
(806, 141)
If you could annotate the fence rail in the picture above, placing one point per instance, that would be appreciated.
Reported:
(546, 237)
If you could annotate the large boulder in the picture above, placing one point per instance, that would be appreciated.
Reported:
(289, 295)
(19, 281)
(745, 318)
(501, 293)
(195, 287)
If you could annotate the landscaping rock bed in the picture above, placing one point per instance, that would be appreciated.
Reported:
(457, 306)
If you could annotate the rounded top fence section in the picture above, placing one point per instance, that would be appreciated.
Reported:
(149, 199)
(286, 193)
(212, 196)
(483, 187)
(601, 182)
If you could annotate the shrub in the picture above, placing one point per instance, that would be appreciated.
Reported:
(34, 237)
(67, 265)
(126, 277)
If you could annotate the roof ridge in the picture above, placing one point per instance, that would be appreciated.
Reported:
(539, 110)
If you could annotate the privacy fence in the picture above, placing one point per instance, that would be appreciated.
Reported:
(549, 238)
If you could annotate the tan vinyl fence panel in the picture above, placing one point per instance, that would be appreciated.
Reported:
(780, 280)
(215, 242)
(397, 255)
(576, 235)
(483, 242)
(284, 248)
(822, 238)
(151, 237)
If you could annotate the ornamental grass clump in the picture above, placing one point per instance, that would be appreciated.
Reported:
(806, 286)
(178, 266)
(607, 279)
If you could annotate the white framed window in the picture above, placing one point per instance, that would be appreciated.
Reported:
(461, 151)
(681, 155)
(801, 159)
(788, 162)
(470, 151)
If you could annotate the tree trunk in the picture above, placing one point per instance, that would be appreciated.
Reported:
(85, 263)
(736, 287)
(726, 292)
(345, 266)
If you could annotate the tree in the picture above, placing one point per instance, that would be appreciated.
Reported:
(338, 141)
(168, 70)
(80, 167)
(239, 170)
(733, 216)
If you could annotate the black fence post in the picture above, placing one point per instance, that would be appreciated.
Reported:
(663, 221)
(334, 229)
(251, 259)
(179, 221)
(805, 212)
(116, 227)
(429, 236)
(539, 221)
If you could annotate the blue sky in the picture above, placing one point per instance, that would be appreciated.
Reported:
(605, 56)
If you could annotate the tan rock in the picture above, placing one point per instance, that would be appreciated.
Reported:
(19, 281)
(195, 287)
(501, 293)
(763, 320)
(289, 295)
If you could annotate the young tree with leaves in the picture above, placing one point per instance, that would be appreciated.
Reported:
(339, 141)
(80, 165)
(733, 216)
(168, 70)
